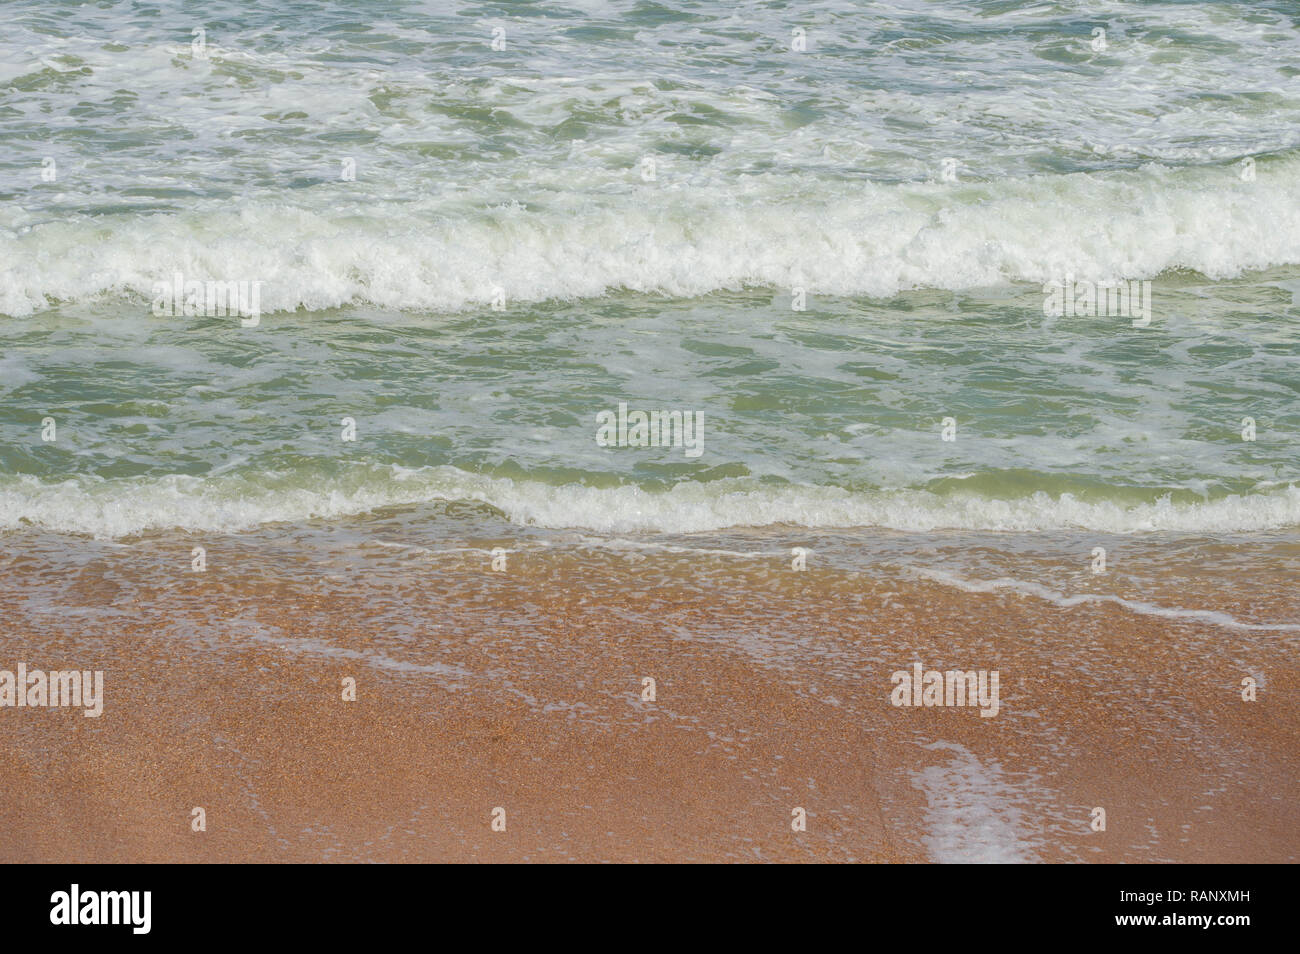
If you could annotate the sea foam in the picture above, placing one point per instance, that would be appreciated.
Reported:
(120, 507)
(835, 238)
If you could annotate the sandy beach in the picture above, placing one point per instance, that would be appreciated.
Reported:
(522, 690)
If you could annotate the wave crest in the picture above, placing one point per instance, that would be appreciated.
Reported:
(840, 238)
(129, 506)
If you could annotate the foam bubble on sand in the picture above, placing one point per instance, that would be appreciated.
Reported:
(972, 815)
(1029, 588)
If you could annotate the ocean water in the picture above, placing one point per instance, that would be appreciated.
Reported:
(821, 230)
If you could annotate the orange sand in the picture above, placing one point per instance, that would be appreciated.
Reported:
(772, 692)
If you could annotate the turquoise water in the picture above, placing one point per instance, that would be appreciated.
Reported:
(663, 205)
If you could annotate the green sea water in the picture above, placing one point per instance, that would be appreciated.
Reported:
(824, 231)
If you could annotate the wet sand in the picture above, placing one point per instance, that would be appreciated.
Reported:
(522, 690)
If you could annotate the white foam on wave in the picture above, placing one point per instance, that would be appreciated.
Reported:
(121, 507)
(867, 239)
